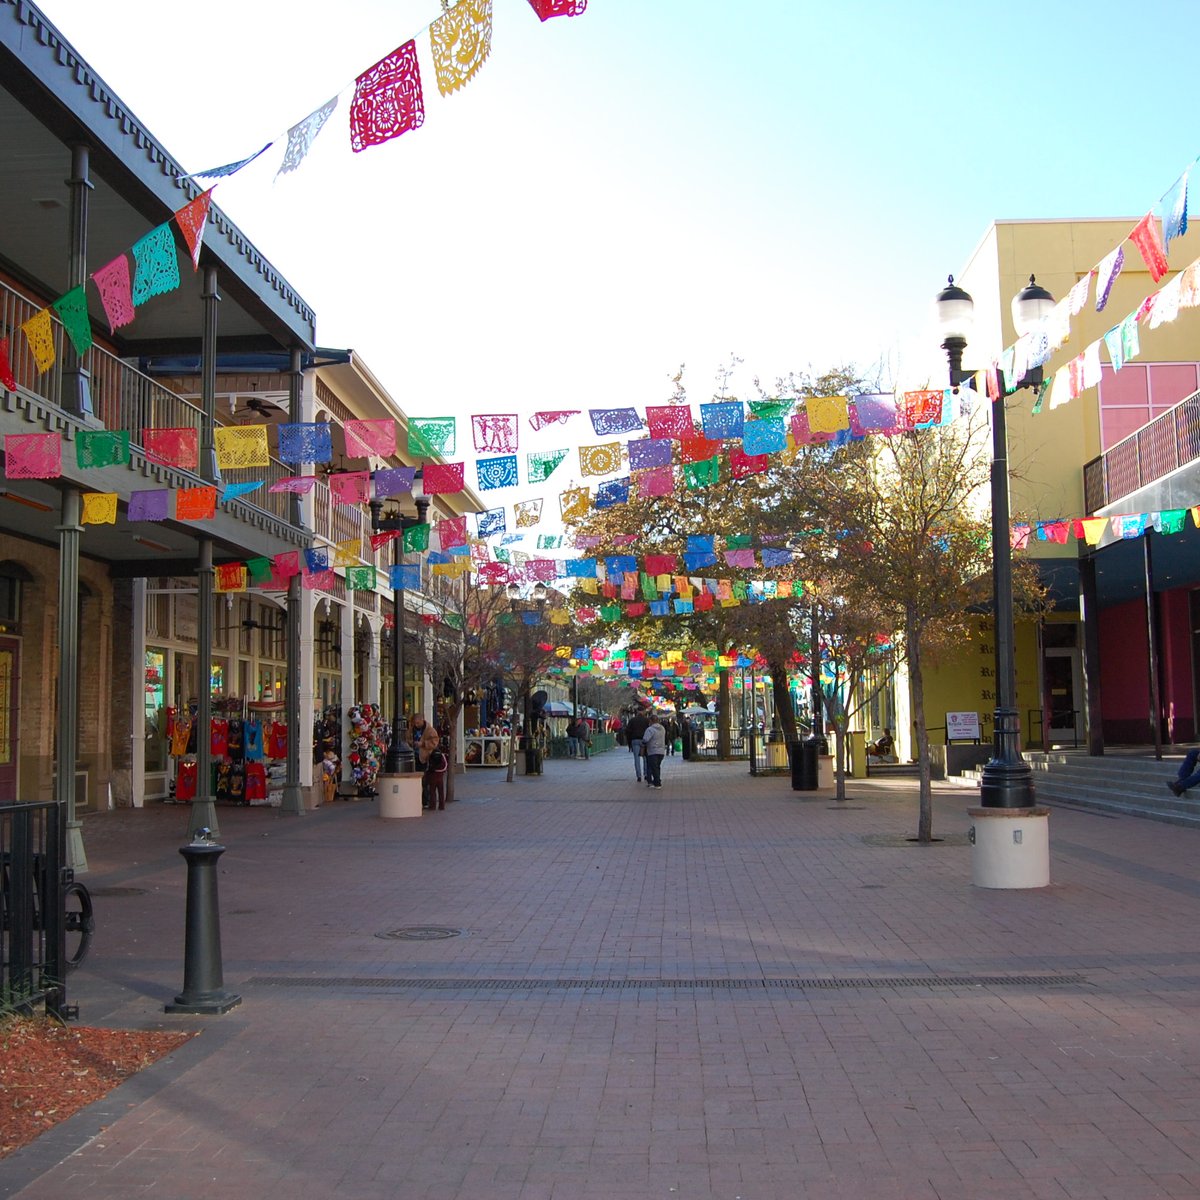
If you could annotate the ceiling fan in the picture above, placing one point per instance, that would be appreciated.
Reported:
(257, 410)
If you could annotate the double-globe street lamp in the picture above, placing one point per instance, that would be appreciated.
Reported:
(1006, 780)
(399, 757)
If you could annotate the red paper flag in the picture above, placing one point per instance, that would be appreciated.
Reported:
(6, 372)
(670, 421)
(742, 464)
(698, 448)
(1146, 238)
(558, 8)
(191, 219)
(443, 479)
(195, 504)
(387, 99)
(172, 447)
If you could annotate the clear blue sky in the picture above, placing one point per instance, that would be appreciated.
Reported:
(655, 182)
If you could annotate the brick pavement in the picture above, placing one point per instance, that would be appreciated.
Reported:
(818, 1016)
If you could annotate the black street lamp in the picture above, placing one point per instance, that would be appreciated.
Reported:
(1006, 780)
(399, 757)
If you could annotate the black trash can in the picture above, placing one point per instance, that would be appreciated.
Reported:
(804, 764)
(688, 741)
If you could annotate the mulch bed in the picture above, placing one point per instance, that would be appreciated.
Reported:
(49, 1072)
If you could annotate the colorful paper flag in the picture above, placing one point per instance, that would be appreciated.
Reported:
(1145, 237)
(99, 508)
(116, 292)
(32, 456)
(195, 504)
(39, 334)
(241, 446)
(73, 313)
(157, 265)
(101, 448)
(302, 136)
(461, 40)
(192, 219)
(374, 438)
(387, 99)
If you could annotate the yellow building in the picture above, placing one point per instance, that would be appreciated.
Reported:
(1048, 452)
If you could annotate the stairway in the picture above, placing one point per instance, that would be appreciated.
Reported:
(896, 770)
(1124, 784)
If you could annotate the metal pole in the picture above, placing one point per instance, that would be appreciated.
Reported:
(203, 813)
(399, 756)
(1089, 611)
(293, 796)
(67, 731)
(1006, 780)
(76, 383)
(1152, 644)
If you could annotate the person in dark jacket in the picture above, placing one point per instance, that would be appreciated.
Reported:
(635, 730)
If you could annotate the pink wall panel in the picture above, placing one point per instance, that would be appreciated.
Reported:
(1176, 658)
(1124, 672)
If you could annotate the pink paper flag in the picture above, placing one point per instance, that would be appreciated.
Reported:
(287, 564)
(115, 286)
(32, 455)
(387, 99)
(350, 487)
(365, 439)
(558, 416)
(443, 479)
(318, 580)
(300, 485)
(495, 433)
(658, 482)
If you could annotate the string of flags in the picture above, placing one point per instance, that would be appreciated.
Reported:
(1151, 237)
(388, 98)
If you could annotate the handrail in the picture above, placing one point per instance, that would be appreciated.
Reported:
(122, 396)
(1169, 441)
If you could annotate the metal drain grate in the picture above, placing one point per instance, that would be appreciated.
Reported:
(116, 892)
(421, 933)
(801, 984)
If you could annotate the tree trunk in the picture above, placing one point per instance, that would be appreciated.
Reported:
(784, 712)
(839, 741)
(925, 821)
(723, 747)
(452, 712)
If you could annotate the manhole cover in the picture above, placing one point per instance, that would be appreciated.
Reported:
(117, 891)
(421, 933)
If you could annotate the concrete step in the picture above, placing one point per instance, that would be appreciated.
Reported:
(1135, 787)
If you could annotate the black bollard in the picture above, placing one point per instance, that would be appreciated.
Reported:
(203, 979)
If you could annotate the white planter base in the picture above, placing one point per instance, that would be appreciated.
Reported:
(399, 795)
(1010, 847)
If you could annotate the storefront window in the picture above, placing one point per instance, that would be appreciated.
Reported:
(155, 698)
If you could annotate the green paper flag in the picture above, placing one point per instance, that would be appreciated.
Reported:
(260, 570)
(72, 311)
(360, 579)
(101, 448)
(416, 539)
(702, 474)
(541, 466)
(430, 436)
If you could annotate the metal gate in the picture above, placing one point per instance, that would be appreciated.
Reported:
(33, 921)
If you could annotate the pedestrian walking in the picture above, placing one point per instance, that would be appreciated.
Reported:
(635, 730)
(655, 742)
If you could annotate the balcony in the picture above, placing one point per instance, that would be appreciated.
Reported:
(1162, 446)
(124, 398)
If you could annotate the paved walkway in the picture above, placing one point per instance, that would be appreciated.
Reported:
(720, 989)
